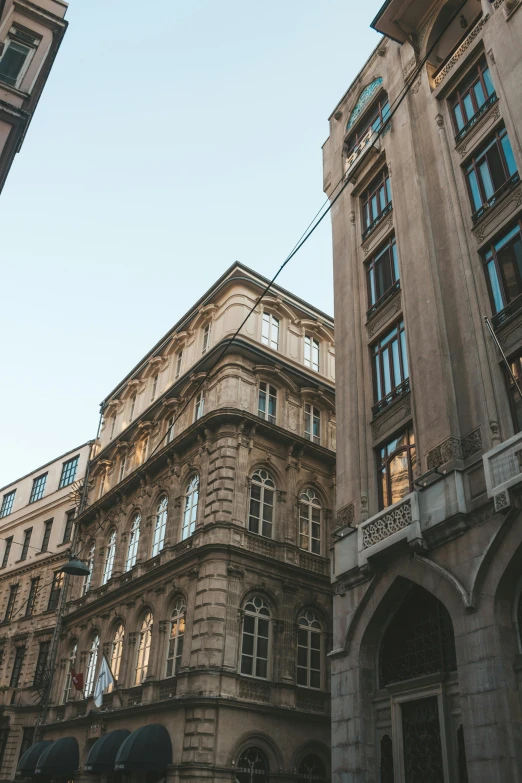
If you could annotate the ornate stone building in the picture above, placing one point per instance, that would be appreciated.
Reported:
(207, 533)
(427, 235)
(31, 32)
(36, 527)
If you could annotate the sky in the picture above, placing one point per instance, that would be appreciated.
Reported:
(171, 139)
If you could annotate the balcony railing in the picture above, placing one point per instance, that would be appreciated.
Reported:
(507, 313)
(453, 59)
(514, 180)
(384, 298)
(403, 388)
(503, 470)
(386, 211)
(463, 132)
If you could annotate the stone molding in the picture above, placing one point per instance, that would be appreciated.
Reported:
(497, 214)
(387, 524)
(454, 448)
(455, 57)
(476, 134)
(391, 417)
(383, 316)
(346, 515)
(378, 234)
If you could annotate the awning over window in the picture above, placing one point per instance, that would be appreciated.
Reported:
(102, 755)
(62, 757)
(148, 749)
(27, 764)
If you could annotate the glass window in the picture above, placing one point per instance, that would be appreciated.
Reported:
(255, 638)
(142, 660)
(252, 767)
(308, 650)
(90, 565)
(48, 526)
(109, 558)
(262, 496)
(154, 388)
(267, 402)
(312, 423)
(170, 429)
(56, 589)
(199, 407)
(471, 95)
(68, 472)
(134, 540)
(145, 449)
(390, 365)
(116, 653)
(312, 768)
(132, 407)
(177, 633)
(160, 527)
(27, 741)
(373, 119)
(382, 272)
(7, 503)
(17, 667)
(270, 331)
(311, 353)
(503, 261)
(69, 522)
(7, 551)
(397, 460)
(27, 543)
(91, 666)
(179, 363)
(515, 364)
(492, 166)
(12, 62)
(13, 592)
(38, 488)
(207, 333)
(376, 200)
(123, 465)
(33, 596)
(191, 508)
(41, 663)
(66, 693)
(113, 426)
(310, 521)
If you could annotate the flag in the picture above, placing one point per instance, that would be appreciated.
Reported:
(77, 680)
(105, 679)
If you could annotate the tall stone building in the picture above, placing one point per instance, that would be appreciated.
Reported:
(427, 234)
(36, 527)
(207, 535)
(31, 32)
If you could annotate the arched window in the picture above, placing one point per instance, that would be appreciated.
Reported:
(312, 768)
(91, 665)
(310, 521)
(255, 638)
(372, 121)
(309, 650)
(252, 767)
(134, 539)
(418, 641)
(116, 652)
(177, 632)
(90, 565)
(66, 694)
(262, 495)
(160, 527)
(109, 558)
(142, 660)
(191, 507)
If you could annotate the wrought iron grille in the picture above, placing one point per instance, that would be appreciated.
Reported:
(252, 767)
(507, 313)
(419, 641)
(476, 117)
(387, 774)
(421, 738)
(508, 185)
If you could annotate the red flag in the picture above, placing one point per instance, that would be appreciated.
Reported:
(77, 680)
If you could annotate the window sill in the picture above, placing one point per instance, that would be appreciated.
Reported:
(475, 122)
(495, 199)
(396, 394)
(377, 222)
(382, 301)
(507, 314)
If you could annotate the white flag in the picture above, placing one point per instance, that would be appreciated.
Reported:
(105, 678)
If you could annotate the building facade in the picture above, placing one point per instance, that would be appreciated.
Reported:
(206, 531)
(30, 36)
(36, 528)
(427, 237)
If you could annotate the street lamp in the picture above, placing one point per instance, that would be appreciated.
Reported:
(75, 567)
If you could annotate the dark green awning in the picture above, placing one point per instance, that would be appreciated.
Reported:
(62, 757)
(27, 764)
(102, 755)
(148, 749)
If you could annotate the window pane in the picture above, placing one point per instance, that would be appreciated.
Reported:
(246, 665)
(12, 62)
(508, 155)
(498, 174)
(301, 676)
(459, 119)
(479, 95)
(468, 107)
(475, 192)
(386, 370)
(495, 287)
(487, 183)
(404, 355)
(510, 262)
(261, 668)
(487, 81)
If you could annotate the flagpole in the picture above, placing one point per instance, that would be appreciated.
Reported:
(114, 681)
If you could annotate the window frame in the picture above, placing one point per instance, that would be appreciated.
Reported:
(7, 503)
(116, 655)
(70, 516)
(270, 399)
(34, 591)
(175, 642)
(199, 406)
(134, 542)
(375, 115)
(38, 488)
(305, 500)
(258, 616)
(264, 487)
(379, 186)
(383, 464)
(69, 469)
(143, 649)
(490, 256)
(132, 408)
(56, 589)
(270, 325)
(466, 87)
(26, 545)
(41, 663)
(92, 664)
(311, 416)
(48, 527)
(71, 663)
(385, 369)
(160, 526)
(207, 337)
(110, 555)
(18, 665)
(155, 379)
(87, 582)
(191, 506)
(178, 365)
(11, 39)
(373, 265)
(7, 551)
(310, 630)
(474, 167)
(311, 351)
(170, 429)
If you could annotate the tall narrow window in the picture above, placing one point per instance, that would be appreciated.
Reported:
(255, 638)
(310, 521)
(38, 488)
(207, 333)
(372, 121)
(170, 429)
(7, 503)
(383, 275)
(41, 663)
(109, 558)
(27, 543)
(160, 527)
(33, 596)
(252, 767)
(56, 589)
(267, 402)
(7, 551)
(312, 423)
(13, 592)
(503, 260)
(13, 61)
(309, 650)
(270, 331)
(17, 667)
(116, 653)
(68, 472)
(91, 666)
(113, 427)
(390, 367)
(123, 466)
(142, 660)
(27, 741)
(177, 633)
(191, 508)
(48, 526)
(311, 353)
(471, 97)
(154, 388)
(145, 449)
(491, 170)
(376, 201)
(132, 407)
(179, 363)
(397, 460)
(69, 522)
(90, 564)
(262, 494)
(515, 364)
(134, 540)
(71, 662)
(199, 407)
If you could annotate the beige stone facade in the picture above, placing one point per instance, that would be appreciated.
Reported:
(428, 553)
(208, 536)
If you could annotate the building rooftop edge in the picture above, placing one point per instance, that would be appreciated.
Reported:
(46, 464)
(356, 77)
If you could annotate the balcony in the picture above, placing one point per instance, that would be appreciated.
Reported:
(368, 143)
(506, 187)
(463, 132)
(507, 313)
(503, 471)
(386, 211)
(399, 391)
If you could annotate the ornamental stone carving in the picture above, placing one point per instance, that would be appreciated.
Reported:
(254, 691)
(387, 524)
(460, 51)
(346, 515)
(454, 448)
(363, 100)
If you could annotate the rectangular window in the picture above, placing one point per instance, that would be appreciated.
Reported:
(69, 522)
(13, 592)
(68, 472)
(132, 406)
(17, 667)
(7, 551)
(397, 460)
(267, 402)
(376, 201)
(27, 741)
(41, 663)
(179, 363)
(199, 407)
(206, 337)
(383, 275)
(312, 423)
(56, 587)
(170, 429)
(123, 465)
(33, 595)
(503, 261)
(472, 97)
(490, 172)
(311, 353)
(27, 542)
(390, 367)
(7, 503)
(12, 63)
(48, 526)
(154, 388)
(38, 488)
(270, 331)
(145, 450)
(113, 426)
(374, 119)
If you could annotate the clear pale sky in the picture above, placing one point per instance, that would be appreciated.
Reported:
(172, 138)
